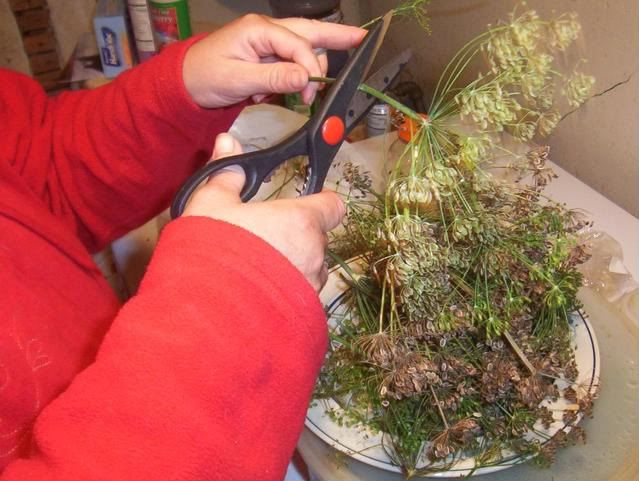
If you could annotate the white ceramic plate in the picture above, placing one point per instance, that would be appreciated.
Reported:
(366, 446)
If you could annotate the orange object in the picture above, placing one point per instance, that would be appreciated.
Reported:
(333, 130)
(408, 127)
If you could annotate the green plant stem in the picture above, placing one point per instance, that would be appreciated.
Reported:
(394, 103)
(381, 96)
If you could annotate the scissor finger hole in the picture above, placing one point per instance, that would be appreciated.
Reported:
(287, 181)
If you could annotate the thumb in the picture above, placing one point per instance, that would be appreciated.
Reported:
(225, 146)
(326, 207)
(281, 77)
(230, 179)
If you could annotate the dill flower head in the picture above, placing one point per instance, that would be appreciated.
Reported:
(524, 130)
(488, 105)
(577, 88)
(546, 98)
(563, 31)
(539, 63)
(535, 79)
(412, 192)
(503, 52)
(547, 122)
(526, 31)
(473, 150)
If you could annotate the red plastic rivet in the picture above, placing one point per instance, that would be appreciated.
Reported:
(333, 130)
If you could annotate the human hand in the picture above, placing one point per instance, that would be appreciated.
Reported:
(258, 55)
(295, 227)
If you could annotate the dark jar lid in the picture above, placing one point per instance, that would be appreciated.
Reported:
(303, 8)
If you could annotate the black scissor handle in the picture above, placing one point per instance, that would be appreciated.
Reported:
(257, 167)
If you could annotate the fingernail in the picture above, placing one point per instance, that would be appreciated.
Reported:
(342, 208)
(224, 144)
(309, 95)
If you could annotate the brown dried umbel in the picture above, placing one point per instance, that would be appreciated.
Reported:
(453, 438)
(410, 375)
(532, 390)
(499, 374)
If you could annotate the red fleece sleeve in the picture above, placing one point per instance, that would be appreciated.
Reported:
(205, 374)
(107, 160)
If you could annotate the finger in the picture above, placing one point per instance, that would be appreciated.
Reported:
(260, 98)
(228, 181)
(323, 61)
(274, 39)
(323, 34)
(327, 208)
(225, 146)
(269, 78)
(231, 179)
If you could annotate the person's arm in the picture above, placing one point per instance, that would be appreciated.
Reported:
(108, 159)
(205, 374)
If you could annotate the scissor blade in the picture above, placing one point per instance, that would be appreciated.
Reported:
(386, 20)
(380, 80)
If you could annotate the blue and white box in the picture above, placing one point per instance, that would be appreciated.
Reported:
(113, 36)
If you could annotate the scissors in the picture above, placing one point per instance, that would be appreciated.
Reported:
(321, 137)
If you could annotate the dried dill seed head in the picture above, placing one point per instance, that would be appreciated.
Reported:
(357, 180)
(378, 348)
(488, 106)
(545, 415)
(569, 416)
(454, 438)
(532, 390)
(410, 375)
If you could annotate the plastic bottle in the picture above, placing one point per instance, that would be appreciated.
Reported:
(145, 43)
(378, 119)
(171, 21)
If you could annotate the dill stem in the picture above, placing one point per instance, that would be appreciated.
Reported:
(324, 80)
(439, 407)
(379, 95)
(393, 103)
(520, 353)
(383, 301)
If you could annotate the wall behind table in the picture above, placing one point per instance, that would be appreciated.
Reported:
(12, 54)
(70, 19)
(599, 144)
(219, 12)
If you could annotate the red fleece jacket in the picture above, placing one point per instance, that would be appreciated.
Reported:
(207, 372)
